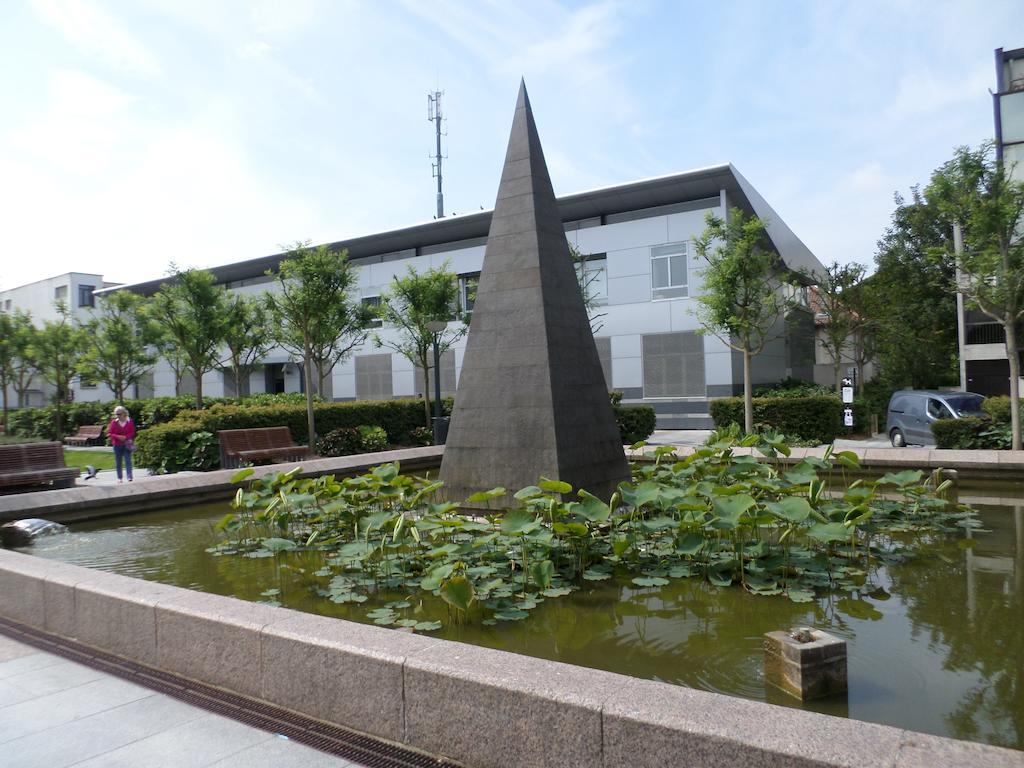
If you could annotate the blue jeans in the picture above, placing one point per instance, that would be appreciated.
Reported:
(123, 456)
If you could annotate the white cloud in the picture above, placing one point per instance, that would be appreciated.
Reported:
(923, 93)
(99, 35)
(869, 177)
(96, 186)
(254, 49)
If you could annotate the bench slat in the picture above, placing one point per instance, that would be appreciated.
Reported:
(237, 445)
(33, 463)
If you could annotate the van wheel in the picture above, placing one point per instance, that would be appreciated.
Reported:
(897, 439)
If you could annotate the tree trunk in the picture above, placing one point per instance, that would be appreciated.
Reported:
(837, 369)
(3, 393)
(1013, 358)
(748, 395)
(199, 391)
(307, 371)
(426, 390)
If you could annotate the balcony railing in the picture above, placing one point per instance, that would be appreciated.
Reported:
(985, 333)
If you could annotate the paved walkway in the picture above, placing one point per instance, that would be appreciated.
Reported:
(56, 713)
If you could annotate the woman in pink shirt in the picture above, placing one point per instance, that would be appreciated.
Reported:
(121, 432)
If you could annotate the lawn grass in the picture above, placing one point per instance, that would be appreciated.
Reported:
(99, 459)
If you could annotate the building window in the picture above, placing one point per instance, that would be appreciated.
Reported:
(594, 280)
(85, 382)
(674, 365)
(7, 305)
(668, 271)
(468, 284)
(373, 377)
(373, 302)
(85, 296)
(60, 293)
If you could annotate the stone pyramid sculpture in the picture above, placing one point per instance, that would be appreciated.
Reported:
(532, 399)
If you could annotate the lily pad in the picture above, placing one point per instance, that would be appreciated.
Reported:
(801, 595)
(650, 581)
(511, 614)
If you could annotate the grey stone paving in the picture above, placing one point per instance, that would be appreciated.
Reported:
(55, 713)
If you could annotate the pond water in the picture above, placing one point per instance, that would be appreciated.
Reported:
(939, 648)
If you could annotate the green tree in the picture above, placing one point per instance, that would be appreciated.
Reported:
(864, 345)
(247, 338)
(24, 364)
(191, 312)
(912, 314)
(840, 324)
(315, 315)
(58, 348)
(8, 357)
(976, 191)
(743, 300)
(409, 306)
(118, 337)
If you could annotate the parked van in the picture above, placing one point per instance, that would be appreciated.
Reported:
(913, 411)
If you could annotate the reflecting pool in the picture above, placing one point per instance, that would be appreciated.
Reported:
(939, 647)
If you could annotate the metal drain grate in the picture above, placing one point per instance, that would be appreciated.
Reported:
(333, 739)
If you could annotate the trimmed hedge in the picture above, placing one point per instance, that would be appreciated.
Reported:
(159, 447)
(998, 408)
(818, 418)
(179, 445)
(958, 433)
(636, 422)
(345, 441)
(39, 422)
(972, 432)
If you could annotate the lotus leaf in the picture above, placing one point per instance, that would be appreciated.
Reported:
(458, 592)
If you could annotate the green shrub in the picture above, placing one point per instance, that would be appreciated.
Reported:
(959, 434)
(161, 446)
(182, 445)
(636, 422)
(345, 441)
(422, 436)
(39, 422)
(818, 418)
(998, 408)
(794, 388)
(972, 433)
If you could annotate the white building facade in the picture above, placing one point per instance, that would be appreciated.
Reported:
(77, 291)
(638, 239)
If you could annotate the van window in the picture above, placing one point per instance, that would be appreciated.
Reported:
(968, 402)
(937, 410)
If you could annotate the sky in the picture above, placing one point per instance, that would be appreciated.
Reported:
(137, 133)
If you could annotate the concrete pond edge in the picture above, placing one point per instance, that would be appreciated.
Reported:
(84, 502)
(484, 708)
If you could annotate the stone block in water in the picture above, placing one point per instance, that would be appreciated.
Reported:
(808, 664)
(21, 533)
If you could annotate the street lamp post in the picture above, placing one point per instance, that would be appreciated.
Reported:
(437, 327)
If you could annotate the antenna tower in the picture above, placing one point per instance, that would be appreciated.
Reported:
(434, 115)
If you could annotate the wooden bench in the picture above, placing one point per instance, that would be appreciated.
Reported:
(35, 464)
(87, 434)
(253, 446)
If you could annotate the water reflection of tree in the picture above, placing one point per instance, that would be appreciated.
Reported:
(991, 642)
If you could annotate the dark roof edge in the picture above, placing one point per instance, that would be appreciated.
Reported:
(637, 195)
